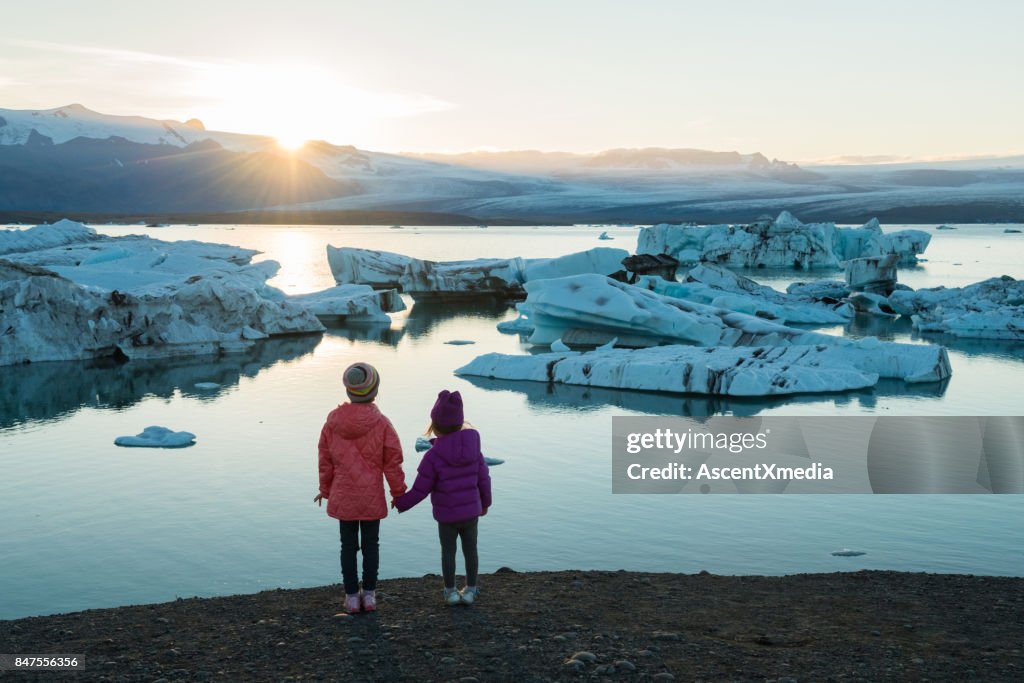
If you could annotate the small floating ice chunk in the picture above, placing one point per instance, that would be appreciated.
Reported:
(559, 345)
(520, 325)
(605, 236)
(423, 444)
(460, 342)
(945, 227)
(609, 346)
(846, 552)
(206, 386)
(157, 437)
(492, 462)
(1012, 231)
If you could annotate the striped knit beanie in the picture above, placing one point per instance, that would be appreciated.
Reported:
(361, 382)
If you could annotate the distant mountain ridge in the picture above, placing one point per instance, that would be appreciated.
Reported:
(73, 160)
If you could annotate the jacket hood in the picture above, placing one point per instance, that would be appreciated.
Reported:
(353, 420)
(458, 448)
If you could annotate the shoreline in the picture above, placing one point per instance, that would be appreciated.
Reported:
(864, 625)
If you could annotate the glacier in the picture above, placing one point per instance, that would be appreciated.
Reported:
(781, 243)
(601, 308)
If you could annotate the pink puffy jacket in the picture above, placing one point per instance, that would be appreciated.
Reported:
(358, 445)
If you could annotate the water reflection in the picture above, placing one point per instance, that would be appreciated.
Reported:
(544, 395)
(424, 317)
(379, 333)
(45, 392)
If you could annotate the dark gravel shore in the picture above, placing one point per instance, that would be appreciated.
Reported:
(863, 626)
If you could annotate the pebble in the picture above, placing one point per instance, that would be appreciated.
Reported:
(468, 679)
(163, 620)
(645, 653)
(625, 665)
(584, 656)
(355, 639)
(917, 660)
(574, 664)
(447, 660)
(785, 679)
(665, 635)
(664, 676)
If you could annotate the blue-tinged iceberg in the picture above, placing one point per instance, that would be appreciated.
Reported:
(781, 243)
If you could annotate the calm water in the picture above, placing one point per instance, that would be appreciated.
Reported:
(86, 524)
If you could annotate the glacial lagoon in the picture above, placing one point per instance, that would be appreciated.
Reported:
(88, 524)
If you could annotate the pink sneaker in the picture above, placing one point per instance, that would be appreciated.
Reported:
(369, 601)
(352, 605)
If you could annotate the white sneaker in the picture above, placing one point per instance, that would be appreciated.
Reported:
(451, 596)
(470, 594)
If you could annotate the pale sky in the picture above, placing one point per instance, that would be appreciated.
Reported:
(796, 80)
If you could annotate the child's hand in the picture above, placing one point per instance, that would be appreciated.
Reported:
(319, 497)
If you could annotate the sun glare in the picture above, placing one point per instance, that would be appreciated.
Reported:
(295, 103)
(290, 143)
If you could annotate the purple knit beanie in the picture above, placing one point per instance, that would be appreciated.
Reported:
(361, 382)
(447, 410)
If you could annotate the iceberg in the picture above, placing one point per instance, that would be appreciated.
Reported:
(452, 280)
(600, 260)
(716, 286)
(351, 303)
(157, 437)
(470, 279)
(520, 325)
(990, 309)
(61, 233)
(781, 243)
(49, 317)
(602, 307)
(875, 274)
(605, 236)
(378, 269)
(725, 371)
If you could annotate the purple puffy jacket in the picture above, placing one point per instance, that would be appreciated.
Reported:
(454, 474)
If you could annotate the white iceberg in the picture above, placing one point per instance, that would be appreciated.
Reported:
(605, 236)
(596, 304)
(427, 280)
(351, 303)
(782, 243)
(717, 286)
(157, 437)
(61, 233)
(378, 269)
(600, 260)
(846, 552)
(991, 309)
(49, 317)
(726, 371)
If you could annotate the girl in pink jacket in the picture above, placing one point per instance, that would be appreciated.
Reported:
(358, 449)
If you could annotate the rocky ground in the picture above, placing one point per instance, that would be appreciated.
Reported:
(544, 626)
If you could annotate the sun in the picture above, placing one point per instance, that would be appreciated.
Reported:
(290, 142)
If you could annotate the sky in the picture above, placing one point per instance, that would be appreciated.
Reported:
(793, 80)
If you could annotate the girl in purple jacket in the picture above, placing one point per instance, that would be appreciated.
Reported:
(454, 474)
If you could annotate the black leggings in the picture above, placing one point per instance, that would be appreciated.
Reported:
(449, 534)
(365, 533)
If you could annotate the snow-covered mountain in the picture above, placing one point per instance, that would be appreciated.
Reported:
(72, 159)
